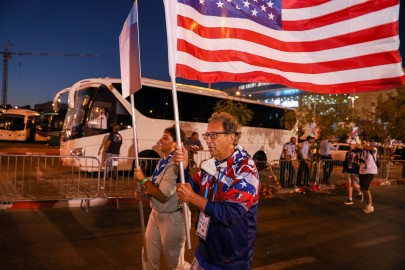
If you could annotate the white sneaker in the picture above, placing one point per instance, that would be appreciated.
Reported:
(349, 202)
(369, 209)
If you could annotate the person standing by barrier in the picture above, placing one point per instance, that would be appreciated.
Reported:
(112, 148)
(165, 232)
(351, 168)
(305, 156)
(403, 161)
(193, 146)
(226, 193)
(286, 157)
(325, 150)
(368, 169)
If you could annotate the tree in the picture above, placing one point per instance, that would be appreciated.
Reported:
(371, 126)
(330, 113)
(239, 110)
(390, 114)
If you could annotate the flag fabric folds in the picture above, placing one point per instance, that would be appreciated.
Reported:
(129, 54)
(316, 45)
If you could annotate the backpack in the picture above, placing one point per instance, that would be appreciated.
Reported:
(376, 160)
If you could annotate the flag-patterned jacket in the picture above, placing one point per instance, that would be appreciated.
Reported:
(233, 211)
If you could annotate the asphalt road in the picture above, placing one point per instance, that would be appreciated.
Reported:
(295, 231)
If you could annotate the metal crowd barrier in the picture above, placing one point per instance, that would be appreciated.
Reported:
(40, 178)
(35, 177)
(119, 182)
(327, 172)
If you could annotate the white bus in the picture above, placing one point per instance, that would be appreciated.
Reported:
(20, 125)
(83, 134)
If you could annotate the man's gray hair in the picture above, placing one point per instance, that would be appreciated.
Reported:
(229, 123)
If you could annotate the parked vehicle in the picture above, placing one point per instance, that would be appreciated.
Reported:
(20, 125)
(263, 137)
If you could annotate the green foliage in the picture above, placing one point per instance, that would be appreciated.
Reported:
(331, 119)
(391, 115)
(290, 119)
(239, 110)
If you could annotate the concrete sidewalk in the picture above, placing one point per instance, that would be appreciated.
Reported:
(31, 149)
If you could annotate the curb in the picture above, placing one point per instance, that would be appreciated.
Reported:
(64, 203)
(271, 192)
(267, 193)
(31, 153)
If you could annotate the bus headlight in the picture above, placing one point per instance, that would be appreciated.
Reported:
(76, 152)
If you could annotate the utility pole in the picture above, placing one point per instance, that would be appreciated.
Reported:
(6, 58)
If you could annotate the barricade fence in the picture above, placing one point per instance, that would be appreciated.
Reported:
(289, 174)
(120, 183)
(36, 177)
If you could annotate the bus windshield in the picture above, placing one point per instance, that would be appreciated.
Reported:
(96, 111)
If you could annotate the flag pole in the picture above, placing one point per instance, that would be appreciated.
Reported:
(142, 217)
(181, 167)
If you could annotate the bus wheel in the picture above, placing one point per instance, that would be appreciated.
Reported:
(260, 160)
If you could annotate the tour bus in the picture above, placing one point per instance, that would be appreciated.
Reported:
(19, 125)
(84, 135)
(50, 126)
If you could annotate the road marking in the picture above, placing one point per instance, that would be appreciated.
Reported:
(286, 264)
(376, 241)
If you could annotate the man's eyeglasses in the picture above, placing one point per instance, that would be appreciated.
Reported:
(213, 135)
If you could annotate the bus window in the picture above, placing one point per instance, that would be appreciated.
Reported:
(121, 116)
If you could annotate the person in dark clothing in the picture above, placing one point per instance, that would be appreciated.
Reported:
(305, 157)
(112, 148)
(286, 165)
(403, 161)
(351, 169)
(325, 149)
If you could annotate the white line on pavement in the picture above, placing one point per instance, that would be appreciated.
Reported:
(376, 241)
(286, 264)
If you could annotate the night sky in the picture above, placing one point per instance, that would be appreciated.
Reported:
(78, 26)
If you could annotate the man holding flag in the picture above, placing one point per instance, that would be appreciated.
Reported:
(318, 46)
(226, 193)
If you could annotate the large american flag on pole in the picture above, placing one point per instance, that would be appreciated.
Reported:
(314, 45)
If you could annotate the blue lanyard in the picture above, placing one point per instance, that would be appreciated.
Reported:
(215, 187)
(162, 164)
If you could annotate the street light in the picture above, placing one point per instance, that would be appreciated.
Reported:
(353, 99)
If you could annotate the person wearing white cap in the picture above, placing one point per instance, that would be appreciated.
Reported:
(351, 168)
(368, 169)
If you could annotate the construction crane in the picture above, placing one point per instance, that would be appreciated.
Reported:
(7, 55)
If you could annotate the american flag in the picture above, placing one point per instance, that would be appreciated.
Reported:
(318, 46)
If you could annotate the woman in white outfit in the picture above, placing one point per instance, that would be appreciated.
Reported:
(165, 232)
